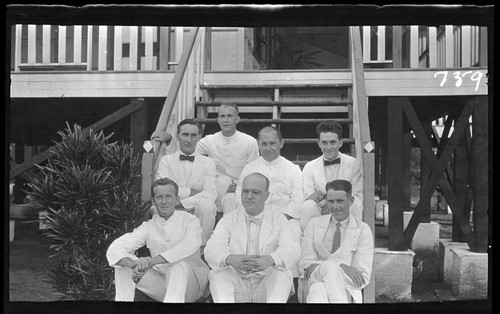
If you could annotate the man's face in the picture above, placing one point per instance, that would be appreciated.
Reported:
(329, 143)
(254, 194)
(269, 145)
(228, 119)
(338, 203)
(188, 137)
(164, 199)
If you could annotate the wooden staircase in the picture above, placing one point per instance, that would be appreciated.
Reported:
(294, 109)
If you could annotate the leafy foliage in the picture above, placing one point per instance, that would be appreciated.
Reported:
(91, 190)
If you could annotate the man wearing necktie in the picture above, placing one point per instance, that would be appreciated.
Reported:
(330, 166)
(251, 250)
(336, 251)
(195, 176)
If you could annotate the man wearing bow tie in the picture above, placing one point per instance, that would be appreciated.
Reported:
(195, 176)
(336, 251)
(330, 166)
(251, 250)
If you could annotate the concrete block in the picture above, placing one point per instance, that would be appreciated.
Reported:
(379, 209)
(393, 272)
(386, 215)
(12, 225)
(445, 259)
(469, 275)
(425, 242)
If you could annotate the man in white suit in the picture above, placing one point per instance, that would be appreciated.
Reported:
(251, 250)
(336, 251)
(332, 165)
(195, 176)
(285, 177)
(230, 149)
(175, 271)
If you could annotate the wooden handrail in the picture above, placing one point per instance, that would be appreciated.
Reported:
(173, 91)
(18, 169)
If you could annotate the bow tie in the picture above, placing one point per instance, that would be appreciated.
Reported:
(184, 157)
(257, 221)
(331, 162)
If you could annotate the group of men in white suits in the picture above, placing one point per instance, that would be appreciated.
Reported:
(255, 250)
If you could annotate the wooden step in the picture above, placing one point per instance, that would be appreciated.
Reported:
(279, 103)
(273, 121)
(275, 86)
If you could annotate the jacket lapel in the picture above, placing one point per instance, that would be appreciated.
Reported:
(176, 169)
(319, 233)
(265, 230)
(320, 173)
(240, 230)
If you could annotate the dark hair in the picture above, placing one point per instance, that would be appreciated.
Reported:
(330, 126)
(164, 181)
(270, 128)
(230, 104)
(339, 185)
(262, 176)
(188, 121)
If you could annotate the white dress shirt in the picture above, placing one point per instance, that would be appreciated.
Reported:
(230, 154)
(285, 190)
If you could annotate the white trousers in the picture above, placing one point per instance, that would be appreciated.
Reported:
(270, 286)
(205, 211)
(311, 209)
(326, 285)
(176, 283)
(225, 202)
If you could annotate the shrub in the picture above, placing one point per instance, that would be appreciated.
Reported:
(91, 190)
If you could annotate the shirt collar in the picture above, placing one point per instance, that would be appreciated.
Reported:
(343, 223)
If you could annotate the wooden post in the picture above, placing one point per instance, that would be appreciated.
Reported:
(383, 172)
(460, 182)
(147, 175)
(369, 213)
(406, 175)
(395, 171)
(139, 126)
(480, 173)
(164, 43)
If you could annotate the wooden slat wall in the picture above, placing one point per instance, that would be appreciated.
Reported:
(61, 40)
(148, 42)
(46, 44)
(433, 47)
(89, 48)
(17, 53)
(381, 43)
(77, 44)
(466, 46)
(31, 44)
(414, 47)
(366, 43)
(117, 66)
(103, 38)
(133, 48)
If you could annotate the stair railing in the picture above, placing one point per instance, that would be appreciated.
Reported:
(363, 143)
(179, 104)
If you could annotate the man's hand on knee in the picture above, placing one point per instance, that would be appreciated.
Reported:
(231, 188)
(355, 274)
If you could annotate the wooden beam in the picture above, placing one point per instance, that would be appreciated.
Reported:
(103, 43)
(414, 62)
(480, 172)
(46, 44)
(368, 161)
(406, 171)
(133, 48)
(99, 125)
(449, 44)
(381, 43)
(466, 46)
(395, 169)
(432, 47)
(31, 44)
(436, 166)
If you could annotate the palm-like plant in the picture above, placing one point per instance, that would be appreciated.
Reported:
(91, 190)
